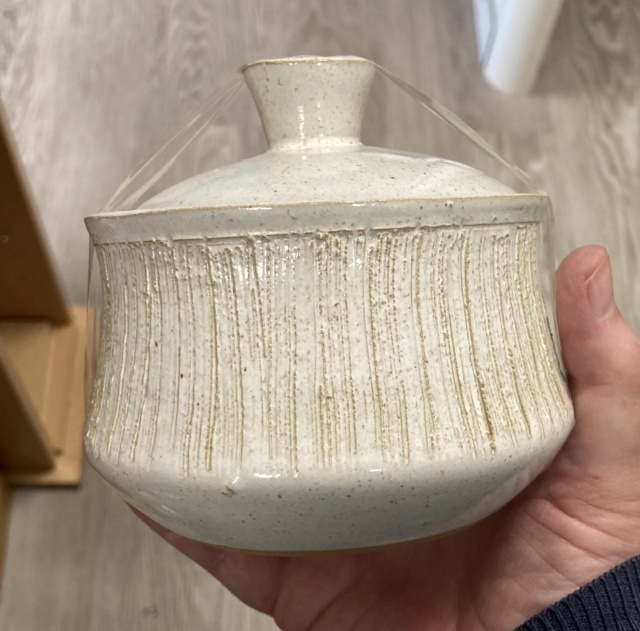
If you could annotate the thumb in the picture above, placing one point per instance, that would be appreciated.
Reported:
(602, 357)
(582, 516)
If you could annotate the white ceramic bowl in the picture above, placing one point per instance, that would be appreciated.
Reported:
(328, 346)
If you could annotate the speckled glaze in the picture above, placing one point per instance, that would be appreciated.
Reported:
(328, 346)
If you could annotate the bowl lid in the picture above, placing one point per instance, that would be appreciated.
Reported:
(311, 109)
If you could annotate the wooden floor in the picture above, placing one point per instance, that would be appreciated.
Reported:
(91, 86)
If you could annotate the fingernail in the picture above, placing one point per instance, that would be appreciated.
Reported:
(600, 291)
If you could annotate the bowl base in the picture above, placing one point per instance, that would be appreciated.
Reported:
(344, 551)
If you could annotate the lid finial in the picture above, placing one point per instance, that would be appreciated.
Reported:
(307, 102)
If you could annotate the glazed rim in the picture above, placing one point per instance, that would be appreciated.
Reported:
(189, 223)
(307, 59)
(357, 203)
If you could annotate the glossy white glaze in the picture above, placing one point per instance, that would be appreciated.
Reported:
(326, 347)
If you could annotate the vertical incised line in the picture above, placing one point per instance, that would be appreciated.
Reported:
(278, 326)
(119, 418)
(119, 365)
(101, 427)
(541, 326)
(333, 410)
(155, 288)
(144, 385)
(392, 296)
(477, 371)
(383, 331)
(323, 423)
(373, 255)
(349, 244)
(270, 332)
(502, 275)
(213, 407)
(293, 359)
(200, 305)
(518, 295)
(129, 362)
(314, 396)
(95, 424)
(258, 300)
(447, 327)
(187, 430)
(491, 284)
(178, 336)
(420, 337)
(239, 433)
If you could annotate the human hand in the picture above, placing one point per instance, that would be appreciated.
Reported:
(577, 520)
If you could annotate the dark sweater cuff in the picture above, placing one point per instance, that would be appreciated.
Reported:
(611, 602)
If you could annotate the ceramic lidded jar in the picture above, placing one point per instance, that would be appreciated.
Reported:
(328, 346)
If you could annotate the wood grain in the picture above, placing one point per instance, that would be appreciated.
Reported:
(62, 401)
(25, 444)
(28, 345)
(43, 420)
(90, 87)
(29, 281)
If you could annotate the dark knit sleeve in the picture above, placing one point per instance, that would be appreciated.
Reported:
(609, 603)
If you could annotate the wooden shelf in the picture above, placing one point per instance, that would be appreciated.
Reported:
(46, 364)
(28, 279)
(42, 342)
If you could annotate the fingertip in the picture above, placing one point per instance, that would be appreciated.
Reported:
(576, 269)
(576, 320)
(597, 344)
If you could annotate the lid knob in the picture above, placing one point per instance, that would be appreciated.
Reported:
(307, 102)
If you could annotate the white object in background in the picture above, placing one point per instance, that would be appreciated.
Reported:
(513, 36)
